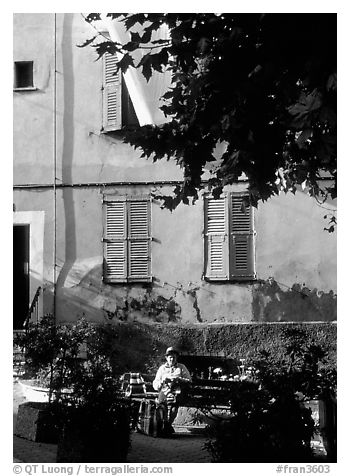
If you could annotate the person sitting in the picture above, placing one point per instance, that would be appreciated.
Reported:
(171, 381)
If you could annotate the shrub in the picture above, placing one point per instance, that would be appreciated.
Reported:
(262, 428)
(93, 418)
(52, 352)
(268, 421)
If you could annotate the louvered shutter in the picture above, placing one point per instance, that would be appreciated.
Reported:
(115, 241)
(111, 94)
(241, 238)
(216, 238)
(139, 240)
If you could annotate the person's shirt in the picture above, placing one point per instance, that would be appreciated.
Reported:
(170, 371)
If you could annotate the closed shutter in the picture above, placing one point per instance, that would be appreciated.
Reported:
(127, 240)
(139, 263)
(216, 238)
(241, 238)
(111, 94)
(115, 242)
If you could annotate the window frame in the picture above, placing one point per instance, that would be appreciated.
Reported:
(129, 236)
(225, 257)
(30, 87)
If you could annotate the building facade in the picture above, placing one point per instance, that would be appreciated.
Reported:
(89, 232)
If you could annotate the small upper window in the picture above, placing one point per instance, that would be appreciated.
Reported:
(23, 74)
(118, 109)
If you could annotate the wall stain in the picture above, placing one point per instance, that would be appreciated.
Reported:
(193, 294)
(158, 309)
(299, 303)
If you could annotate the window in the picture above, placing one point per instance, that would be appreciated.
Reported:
(127, 239)
(229, 238)
(118, 110)
(23, 74)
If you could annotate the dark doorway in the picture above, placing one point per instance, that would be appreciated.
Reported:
(20, 274)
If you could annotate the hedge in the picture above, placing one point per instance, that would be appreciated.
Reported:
(141, 347)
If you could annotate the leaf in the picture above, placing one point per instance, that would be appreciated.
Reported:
(131, 46)
(304, 137)
(87, 42)
(169, 94)
(125, 62)
(106, 47)
(313, 100)
(135, 37)
(203, 45)
(93, 17)
(147, 70)
(159, 60)
(146, 63)
(131, 20)
(114, 16)
(146, 37)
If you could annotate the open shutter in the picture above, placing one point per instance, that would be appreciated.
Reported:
(216, 238)
(111, 93)
(139, 240)
(241, 238)
(115, 242)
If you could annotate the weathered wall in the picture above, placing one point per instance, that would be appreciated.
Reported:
(291, 246)
(178, 292)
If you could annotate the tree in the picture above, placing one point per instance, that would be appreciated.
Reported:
(264, 85)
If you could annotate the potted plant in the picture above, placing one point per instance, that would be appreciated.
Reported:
(84, 411)
(52, 353)
(96, 418)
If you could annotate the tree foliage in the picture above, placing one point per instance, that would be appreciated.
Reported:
(264, 85)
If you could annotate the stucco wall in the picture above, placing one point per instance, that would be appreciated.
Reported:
(292, 249)
(178, 292)
(290, 285)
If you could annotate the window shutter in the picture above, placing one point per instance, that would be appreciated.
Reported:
(115, 242)
(139, 240)
(241, 238)
(111, 93)
(216, 238)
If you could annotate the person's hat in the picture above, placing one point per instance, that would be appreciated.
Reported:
(171, 350)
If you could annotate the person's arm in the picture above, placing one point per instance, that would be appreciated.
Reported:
(158, 381)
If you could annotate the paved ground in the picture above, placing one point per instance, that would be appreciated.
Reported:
(183, 447)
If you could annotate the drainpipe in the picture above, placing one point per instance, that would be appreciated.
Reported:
(54, 167)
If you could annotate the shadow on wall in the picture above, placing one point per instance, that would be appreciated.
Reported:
(86, 295)
(69, 224)
(299, 303)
